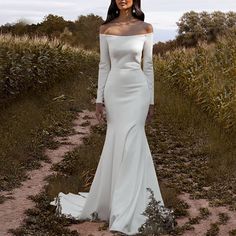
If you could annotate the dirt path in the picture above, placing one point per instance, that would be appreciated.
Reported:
(204, 225)
(12, 210)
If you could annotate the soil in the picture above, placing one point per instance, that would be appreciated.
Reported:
(13, 210)
(204, 225)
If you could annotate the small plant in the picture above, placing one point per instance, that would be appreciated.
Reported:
(214, 230)
(160, 219)
(194, 220)
(94, 216)
(204, 212)
(223, 218)
(232, 232)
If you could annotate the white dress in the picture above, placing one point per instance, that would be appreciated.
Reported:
(118, 192)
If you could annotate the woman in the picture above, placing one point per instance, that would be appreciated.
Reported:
(118, 193)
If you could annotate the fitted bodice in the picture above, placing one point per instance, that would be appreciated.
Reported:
(125, 51)
(118, 52)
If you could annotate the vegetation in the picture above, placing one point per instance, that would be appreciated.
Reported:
(193, 151)
(29, 124)
(160, 220)
(207, 75)
(29, 65)
(194, 28)
(182, 141)
(83, 32)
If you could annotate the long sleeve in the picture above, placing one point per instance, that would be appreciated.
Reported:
(148, 64)
(104, 68)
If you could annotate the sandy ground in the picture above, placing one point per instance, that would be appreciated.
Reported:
(90, 229)
(201, 228)
(12, 210)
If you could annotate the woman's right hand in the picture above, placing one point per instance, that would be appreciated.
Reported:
(99, 112)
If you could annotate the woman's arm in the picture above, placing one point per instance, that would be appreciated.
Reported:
(148, 62)
(104, 67)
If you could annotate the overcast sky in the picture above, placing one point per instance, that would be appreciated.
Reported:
(162, 14)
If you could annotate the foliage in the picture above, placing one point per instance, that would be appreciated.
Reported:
(31, 65)
(159, 218)
(203, 26)
(161, 48)
(82, 32)
(194, 27)
(207, 75)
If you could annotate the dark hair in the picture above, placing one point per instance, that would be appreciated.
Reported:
(114, 11)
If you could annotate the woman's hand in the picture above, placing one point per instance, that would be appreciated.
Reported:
(150, 113)
(99, 112)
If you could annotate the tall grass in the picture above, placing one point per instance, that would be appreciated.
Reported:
(41, 110)
(35, 64)
(207, 75)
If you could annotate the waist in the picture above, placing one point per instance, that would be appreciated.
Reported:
(126, 75)
(131, 68)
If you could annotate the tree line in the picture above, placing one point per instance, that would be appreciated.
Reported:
(193, 27)
(82, 32)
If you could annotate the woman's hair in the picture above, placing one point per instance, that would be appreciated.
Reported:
(114, 11)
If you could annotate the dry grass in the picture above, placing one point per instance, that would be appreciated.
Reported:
(191, 148)
(207, 76)
(28, 125)
(28, 65)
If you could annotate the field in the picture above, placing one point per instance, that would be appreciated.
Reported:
(192, 136)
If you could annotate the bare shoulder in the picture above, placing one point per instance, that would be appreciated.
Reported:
(111, 27)
(103, 28)
(148, 27)
(107, 28)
